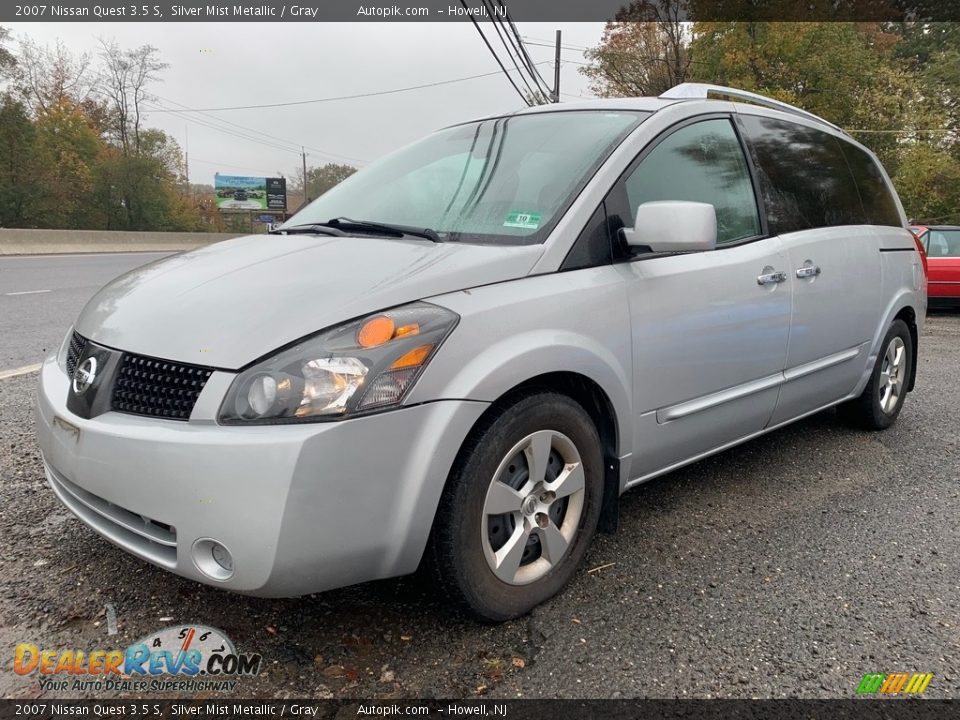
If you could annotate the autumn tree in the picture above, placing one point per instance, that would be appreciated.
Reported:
(66, 151)
(644, 51)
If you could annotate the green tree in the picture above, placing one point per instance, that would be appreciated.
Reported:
(320, 179)
(18, 183)
(928, 183)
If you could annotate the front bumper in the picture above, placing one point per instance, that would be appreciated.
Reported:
(301, 508)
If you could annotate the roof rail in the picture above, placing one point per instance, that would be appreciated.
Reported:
(702, 91)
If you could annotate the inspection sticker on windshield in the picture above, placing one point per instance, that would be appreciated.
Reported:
(525, 220)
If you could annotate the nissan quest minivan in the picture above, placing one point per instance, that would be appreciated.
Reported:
(462, 355)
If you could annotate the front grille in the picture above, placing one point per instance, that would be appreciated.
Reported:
(77, 345)
(157, 388)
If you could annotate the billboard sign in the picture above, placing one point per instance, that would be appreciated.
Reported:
(241, 192)
(276, 194)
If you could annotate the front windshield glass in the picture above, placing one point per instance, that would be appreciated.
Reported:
(504, 180)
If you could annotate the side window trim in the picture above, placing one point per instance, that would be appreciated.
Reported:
(619, 186)
(754, 177)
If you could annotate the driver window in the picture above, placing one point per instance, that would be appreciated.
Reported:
(702, 162)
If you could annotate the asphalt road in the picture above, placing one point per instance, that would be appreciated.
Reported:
(790, 566)
(41, 295)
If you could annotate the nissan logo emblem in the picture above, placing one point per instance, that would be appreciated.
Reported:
(85, 375)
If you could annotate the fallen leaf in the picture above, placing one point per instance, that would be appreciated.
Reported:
(406, 637)
(519, 662)
(271, 629)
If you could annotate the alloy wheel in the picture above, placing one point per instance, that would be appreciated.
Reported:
(533, 506)
(892, 375)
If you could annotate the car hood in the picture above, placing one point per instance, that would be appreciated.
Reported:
(227, 304)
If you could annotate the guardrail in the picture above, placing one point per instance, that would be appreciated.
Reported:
(48, 242)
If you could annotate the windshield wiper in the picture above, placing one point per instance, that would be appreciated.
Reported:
(397, 230)
(308, 229)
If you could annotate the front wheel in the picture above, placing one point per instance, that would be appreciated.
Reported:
(882, 399)
(520, 508)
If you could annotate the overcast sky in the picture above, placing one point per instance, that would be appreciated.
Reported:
(217, 65)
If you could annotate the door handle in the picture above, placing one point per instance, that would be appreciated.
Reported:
(772, 278)
(808, 271)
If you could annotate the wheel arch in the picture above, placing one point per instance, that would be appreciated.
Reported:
(909, 316)
(901, 307)
(595, 401)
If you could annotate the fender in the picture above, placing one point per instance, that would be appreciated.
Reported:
(901, 300)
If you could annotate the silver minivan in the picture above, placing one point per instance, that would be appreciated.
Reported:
(461, 356)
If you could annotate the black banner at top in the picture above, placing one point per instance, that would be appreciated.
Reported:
(453, 10)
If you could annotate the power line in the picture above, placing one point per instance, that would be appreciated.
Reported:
(510, 53)
(516, 47)
(546, 43)
(496, 57)
(218, 163)
(342, 97)
(295, 146)
(227, 131)
(531, 67)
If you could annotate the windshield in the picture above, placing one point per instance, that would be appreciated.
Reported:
(504, 180)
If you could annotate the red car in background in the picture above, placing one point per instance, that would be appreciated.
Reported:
(942, 246)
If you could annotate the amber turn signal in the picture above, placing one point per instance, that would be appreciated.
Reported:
(413, 358)
(375, 331)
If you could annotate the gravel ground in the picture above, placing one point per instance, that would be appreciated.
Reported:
(787, 567)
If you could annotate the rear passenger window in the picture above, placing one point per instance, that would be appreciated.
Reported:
(943, 243)
(878, 202)
(804, 177)
(703, 162)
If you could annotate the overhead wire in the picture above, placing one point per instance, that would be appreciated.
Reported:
(504, 38)
(493, 52)
(356, 96)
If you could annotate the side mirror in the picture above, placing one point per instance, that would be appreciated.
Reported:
(674, 226)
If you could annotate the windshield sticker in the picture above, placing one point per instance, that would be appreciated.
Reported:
(525, 220)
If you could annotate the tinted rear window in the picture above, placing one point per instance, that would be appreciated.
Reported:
(878, 203)
(804, 177)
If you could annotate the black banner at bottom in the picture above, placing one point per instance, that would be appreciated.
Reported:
(865, 709)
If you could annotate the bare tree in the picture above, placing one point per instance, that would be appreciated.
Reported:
(127, 75)
(48, 77)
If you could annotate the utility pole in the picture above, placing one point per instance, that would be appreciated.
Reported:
(186, 155)
(556, 71)
(303, 155)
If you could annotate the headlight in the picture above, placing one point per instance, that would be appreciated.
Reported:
(360, 366)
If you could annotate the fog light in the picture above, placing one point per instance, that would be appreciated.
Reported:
(213, 559)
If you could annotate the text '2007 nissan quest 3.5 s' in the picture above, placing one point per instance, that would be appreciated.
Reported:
(462, 355)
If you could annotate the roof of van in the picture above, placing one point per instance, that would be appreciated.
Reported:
(648, 104)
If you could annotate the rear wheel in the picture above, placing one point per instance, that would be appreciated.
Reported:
(520, 508)
(882, 399)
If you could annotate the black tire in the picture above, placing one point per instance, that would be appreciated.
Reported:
(458, 544)
(867, 411)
